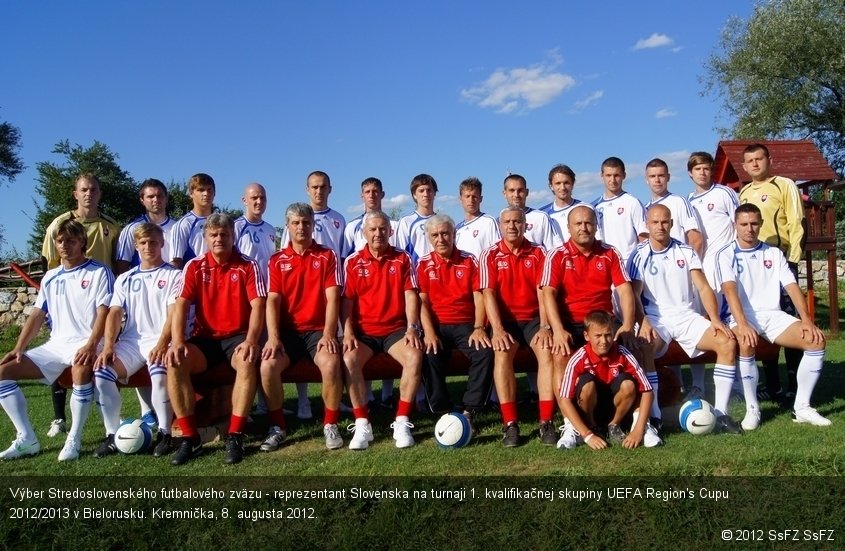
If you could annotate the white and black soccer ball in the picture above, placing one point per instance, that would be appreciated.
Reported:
(452, 431)
(697, 417)
(133, 436)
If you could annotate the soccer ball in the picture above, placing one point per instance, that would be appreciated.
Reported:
(697, 417)
(452, 431)
(133, 436)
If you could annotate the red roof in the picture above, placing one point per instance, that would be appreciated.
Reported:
(798, 160)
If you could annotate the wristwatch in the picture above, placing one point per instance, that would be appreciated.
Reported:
(416, 328)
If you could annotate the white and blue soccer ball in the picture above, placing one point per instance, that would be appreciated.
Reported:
(697, 417)
(452, 430)
(133, 436)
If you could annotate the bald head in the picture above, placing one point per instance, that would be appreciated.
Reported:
(659, 224)
(255, 202)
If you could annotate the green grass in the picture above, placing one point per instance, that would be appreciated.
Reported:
(778, 447)
(781, 476)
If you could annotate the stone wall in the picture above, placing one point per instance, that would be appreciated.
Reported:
(16, 304)
(820, 272)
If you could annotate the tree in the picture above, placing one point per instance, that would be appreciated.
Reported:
(781, 74)
(10, 144)
(10, 161)
(55, 183)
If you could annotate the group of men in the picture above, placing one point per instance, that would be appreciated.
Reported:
(596, 290)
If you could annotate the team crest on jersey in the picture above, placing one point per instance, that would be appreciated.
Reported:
(620, 210)
(337, 225)
(85, 283)
(614, 371)
(529, 227)
(600, 265)
(764, 197)
(710, 206)
(315, 264)
(106, 231)
(234, 277)
(475, 233)
(767, 264)
(391, 270)
(527, 262)
(681, 263)
(459, 274)
(161, 283)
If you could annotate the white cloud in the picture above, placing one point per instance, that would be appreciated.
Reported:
(582, 104)
(656, 40)
(666, 112)
(521, 88)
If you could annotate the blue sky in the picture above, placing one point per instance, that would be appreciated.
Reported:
(267, 92)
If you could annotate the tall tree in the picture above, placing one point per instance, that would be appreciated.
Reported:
(10, 161)
(10, 145)
(781, 74)
(55, 184)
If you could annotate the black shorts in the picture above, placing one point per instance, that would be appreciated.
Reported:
(301, 345)
(605, 394)
(577, 332)
(381, 344)
(522, 331)
(217, 350)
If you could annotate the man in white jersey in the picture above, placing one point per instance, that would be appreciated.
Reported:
(153, 196)
(76, 295)
(561, 182)
(685, 229)
(685, 226)
(410, 233)
(143, 295)
(751, 274)
(621, 222)
(372, 194)
(539, 228)
(477, 231)
(186, 237)
(714, 204)
(666, 274)
(254, 236)
(329, 227)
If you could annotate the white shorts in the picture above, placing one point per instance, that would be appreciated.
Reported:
(54, 356)
(769, 324)
(133, 355)
(687, 329)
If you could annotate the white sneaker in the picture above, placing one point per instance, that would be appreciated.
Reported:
(402, 433)
(694, 393)
(752, 419)
(569, 437)
(333, 438)
(57, 427)
(21, 447)
(811, 416)
(303, 410)
(650, 437)
(362, 434)
(70, 451)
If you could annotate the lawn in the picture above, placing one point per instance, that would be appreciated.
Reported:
(798, 466)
